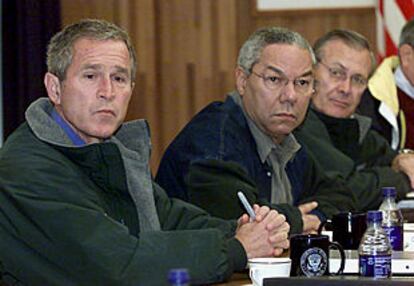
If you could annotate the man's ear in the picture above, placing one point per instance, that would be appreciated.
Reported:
(241, 80)
(52, 85)
(315, 88)
(406, 53)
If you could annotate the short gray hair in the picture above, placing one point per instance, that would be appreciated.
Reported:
(348, 37)
(251, 50)
(407, 34)
(60, 48)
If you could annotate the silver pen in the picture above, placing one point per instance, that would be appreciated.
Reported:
(246, 205)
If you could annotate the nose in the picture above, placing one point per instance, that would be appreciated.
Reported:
(105, 88)
(345, 86)
(288, 92)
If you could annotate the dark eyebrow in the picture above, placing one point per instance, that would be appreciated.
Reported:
(122, 70)
(308, 73)
(339, 65)
(275, 69)
(119, 69)
(347, 70)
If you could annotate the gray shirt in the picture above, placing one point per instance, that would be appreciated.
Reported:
(275, 155)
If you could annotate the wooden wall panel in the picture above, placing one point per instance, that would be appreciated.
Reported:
(314, 23)
(197, 50)
(187, 49)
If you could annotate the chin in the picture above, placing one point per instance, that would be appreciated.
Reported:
(104, 134)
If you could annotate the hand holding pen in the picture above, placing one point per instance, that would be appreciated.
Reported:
(255, 213)
(246, 205)
(264, 223)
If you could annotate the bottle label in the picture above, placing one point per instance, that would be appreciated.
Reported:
(378, 266)
(396, 236)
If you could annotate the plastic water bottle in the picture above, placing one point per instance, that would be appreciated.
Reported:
(392, 219)
(179, 277)
(375, 249)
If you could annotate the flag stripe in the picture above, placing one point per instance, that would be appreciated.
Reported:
(380, 35)
(381, 6)
(390, 46)
(391, 17)
(394, 20)
(406, 7)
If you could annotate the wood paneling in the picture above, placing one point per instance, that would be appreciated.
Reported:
(187, 49)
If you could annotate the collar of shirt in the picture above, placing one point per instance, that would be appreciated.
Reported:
(75, 138)
(403, 83)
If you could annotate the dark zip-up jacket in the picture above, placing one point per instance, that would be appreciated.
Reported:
(360, 155)
(73, 215)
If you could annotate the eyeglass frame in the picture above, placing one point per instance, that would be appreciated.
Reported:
(284, 81)
(343, 76)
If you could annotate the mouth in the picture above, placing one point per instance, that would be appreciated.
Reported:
(286, 116)
(339, 103)
(108, 112)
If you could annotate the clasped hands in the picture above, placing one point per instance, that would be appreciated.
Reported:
(266, 236)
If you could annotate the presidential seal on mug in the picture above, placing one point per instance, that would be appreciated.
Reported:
(314, 262)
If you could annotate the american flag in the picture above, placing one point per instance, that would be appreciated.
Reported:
(391, 17)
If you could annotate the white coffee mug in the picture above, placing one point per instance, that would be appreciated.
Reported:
(268, 267)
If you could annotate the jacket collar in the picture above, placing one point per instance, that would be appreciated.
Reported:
(382, 84)
(363, 122)
(39, 118)
(133, 142)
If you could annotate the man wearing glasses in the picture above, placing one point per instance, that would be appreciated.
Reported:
(245, 143)
(341, 140)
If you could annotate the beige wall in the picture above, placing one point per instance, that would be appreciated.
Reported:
(187, 49)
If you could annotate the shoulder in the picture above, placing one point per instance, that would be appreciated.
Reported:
(312, 130)
(219, 115)
(32, 168)
(217, 124)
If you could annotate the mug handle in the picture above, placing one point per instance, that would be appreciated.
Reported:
(327, 222)
(336, 245)
(253, 274)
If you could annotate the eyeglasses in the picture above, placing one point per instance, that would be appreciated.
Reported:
(340, 74)
(302, 85)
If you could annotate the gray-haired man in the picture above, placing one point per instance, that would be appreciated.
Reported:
(246, 142)
(339, 138)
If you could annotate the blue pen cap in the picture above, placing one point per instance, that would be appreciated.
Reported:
(178, 276)
(389, 192)
(374, 216)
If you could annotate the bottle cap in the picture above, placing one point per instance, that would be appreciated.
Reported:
(178, 276)
(374, 216)
(389, 192)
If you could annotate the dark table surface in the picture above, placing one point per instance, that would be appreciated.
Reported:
(338, 280)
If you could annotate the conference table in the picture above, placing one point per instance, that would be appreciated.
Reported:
(242, 279)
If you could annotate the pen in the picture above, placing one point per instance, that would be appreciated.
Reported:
(246, 205)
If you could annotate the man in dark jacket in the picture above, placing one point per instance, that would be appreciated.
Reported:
(245, 143)
(78, 205)
(342, 141)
